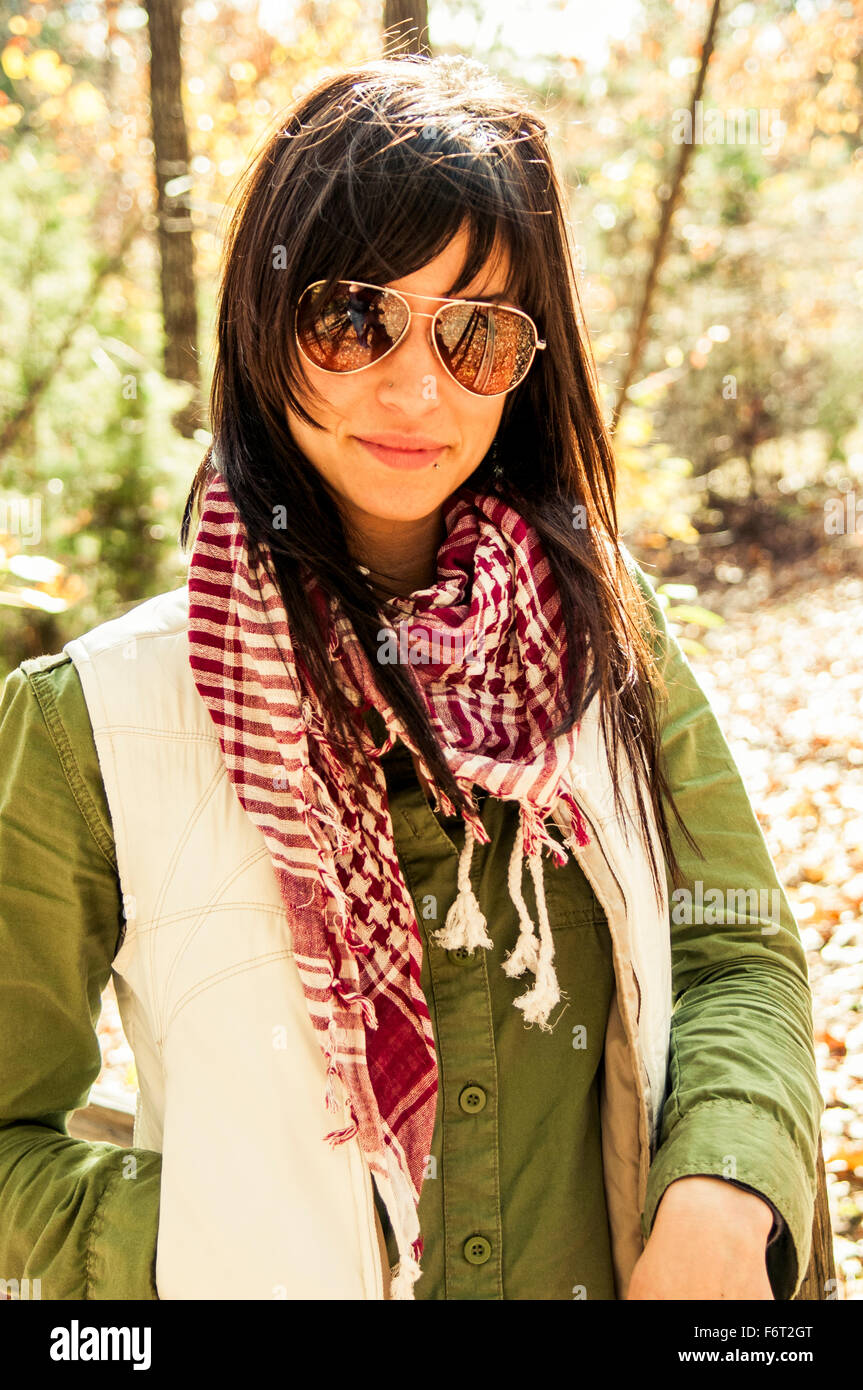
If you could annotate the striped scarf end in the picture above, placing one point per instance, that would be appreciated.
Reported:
(579, 835)
(341, 1136)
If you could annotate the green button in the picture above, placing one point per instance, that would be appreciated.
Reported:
(461, 955)
(472, 1100)
(477, 1250)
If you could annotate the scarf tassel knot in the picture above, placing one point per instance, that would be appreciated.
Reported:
(532, 953)
(465, 925)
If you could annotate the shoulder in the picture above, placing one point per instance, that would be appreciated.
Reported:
(20, 678)
(652, 609)
(47, 739)
(638, 574)
(164, 615)
(53, 692)
(21, 687)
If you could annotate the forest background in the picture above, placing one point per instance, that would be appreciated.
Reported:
(714, 162)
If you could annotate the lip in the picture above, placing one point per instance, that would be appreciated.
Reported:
(402, 450)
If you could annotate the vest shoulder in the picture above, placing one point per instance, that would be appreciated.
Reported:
(165, 614)
(135, 671)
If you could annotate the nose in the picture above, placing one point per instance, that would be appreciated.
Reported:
(413, 367)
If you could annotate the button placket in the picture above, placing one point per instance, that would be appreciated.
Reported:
(467, 1102)
(466, 1124)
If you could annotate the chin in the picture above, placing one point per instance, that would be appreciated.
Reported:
(400, 498)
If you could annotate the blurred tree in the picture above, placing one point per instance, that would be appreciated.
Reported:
(669, 203)
(173, 183)
(406, 26)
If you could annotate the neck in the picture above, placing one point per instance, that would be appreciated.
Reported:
(399, 555)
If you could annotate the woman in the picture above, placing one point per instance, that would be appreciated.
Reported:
(376, 1058)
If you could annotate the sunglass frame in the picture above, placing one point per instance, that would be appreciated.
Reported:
(539, 344)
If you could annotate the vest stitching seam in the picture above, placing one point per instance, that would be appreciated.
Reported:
(170, 870)
(153, 924)
(228, 973)
(149, 730)
(207, 907)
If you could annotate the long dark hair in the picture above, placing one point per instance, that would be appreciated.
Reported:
(368, 177)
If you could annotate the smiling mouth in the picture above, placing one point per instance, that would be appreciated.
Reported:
(402, 458)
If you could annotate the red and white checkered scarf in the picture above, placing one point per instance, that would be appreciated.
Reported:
(493, 695)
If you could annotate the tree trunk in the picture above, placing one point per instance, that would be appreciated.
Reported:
(176, 249)
(412, 19)
(660, 245)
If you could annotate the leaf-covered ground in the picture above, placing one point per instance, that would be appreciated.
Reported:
(785, 677)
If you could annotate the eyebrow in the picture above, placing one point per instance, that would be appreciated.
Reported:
(482, 298)
(468, 299)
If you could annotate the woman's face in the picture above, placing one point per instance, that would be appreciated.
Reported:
(406, 394)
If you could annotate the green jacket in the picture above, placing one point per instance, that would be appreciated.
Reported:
(742, 1103)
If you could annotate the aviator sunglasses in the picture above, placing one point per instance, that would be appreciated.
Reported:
(486, 348)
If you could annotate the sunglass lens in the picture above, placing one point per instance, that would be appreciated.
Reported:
(488, 349)
(350, 327)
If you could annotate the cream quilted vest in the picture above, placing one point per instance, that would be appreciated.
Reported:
(254, 1203)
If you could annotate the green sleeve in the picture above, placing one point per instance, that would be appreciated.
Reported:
(81, 1217)
(742, 1100)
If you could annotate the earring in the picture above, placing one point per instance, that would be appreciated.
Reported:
(496, 467)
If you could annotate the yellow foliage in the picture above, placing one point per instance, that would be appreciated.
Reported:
(47, 73)
(14, 62)
(86, 104)
(678, 526)
(51, 109)
(243, 72)
(635, 428)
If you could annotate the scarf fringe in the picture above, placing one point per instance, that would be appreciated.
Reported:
(332, 1102)
(530, 952)
(401, 1201)
(579, 835)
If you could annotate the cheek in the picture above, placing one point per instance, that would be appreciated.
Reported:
(485, 416)
(332, 396)
(333, 404)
